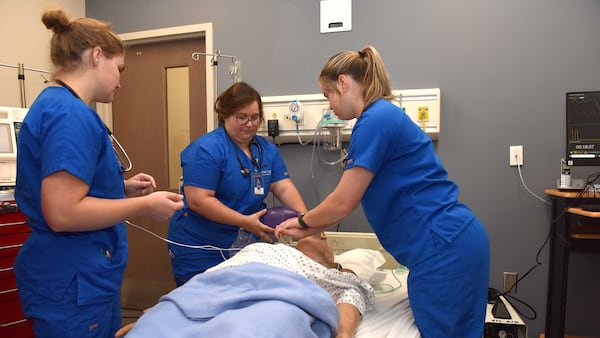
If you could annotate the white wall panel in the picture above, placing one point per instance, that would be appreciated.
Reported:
(422, 105)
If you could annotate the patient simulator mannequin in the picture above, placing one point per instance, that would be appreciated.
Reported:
(332, 287)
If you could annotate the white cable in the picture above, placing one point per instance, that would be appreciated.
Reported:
(334, 163)
(316, 148)
(312, 171)
(321, 148)
(203, 247)
(284, 239)
(525, 185)
(300, 140)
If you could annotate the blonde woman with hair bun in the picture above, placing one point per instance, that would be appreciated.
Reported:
(71, 186)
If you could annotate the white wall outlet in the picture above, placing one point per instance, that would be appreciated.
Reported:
(516, 155)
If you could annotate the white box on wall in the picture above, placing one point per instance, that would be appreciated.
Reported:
(336, 16)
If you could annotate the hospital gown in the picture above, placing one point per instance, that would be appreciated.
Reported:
(342, 286)
(262, 292)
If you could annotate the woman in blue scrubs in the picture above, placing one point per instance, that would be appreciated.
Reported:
(70, 185)
(227, 175)
(407, 198)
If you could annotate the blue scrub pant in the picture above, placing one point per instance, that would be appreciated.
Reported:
(448, 292)
(66, 318)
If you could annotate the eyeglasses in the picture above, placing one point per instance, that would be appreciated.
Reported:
(243, 119)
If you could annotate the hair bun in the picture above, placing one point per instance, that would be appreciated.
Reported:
(57, 20)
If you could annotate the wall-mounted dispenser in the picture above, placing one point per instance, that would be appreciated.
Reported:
(336, 16)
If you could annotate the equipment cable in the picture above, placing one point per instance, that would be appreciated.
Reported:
(494, 293)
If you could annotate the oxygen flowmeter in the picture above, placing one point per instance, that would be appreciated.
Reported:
(295, 108)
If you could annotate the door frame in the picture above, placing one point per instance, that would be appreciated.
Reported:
(172, 34)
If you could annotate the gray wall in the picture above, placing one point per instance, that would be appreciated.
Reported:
(503, 68)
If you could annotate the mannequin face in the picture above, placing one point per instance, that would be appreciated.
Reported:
(317, 248)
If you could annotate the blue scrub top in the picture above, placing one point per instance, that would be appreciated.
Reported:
(210, 163)
(60, 132)
(410, 195)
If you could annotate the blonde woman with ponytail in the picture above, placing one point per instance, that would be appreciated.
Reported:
(407, 197)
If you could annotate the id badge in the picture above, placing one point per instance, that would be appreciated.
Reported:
(257, 183)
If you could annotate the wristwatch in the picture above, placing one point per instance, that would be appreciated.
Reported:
(301, 221)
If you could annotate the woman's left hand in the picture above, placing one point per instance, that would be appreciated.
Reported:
(124, 330)
(139, 185)
(255, 226)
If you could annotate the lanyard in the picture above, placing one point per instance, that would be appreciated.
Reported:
(124, 161)
(256, 164)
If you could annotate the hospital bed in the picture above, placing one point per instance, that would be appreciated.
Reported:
(392, 316)
(362, 253)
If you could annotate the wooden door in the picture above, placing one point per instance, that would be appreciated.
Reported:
(140, 107)
(140, 115)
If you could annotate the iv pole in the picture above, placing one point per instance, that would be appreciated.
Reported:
(21, 77)
(234, 71)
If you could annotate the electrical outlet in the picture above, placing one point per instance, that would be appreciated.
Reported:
(516, 155)
(510, 282)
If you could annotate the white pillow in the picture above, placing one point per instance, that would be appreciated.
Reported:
(364, 262)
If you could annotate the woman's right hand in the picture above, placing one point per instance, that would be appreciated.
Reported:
(257, 227)
(162, 205)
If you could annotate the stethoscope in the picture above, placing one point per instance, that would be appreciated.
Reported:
(124, 163)
(256, 161)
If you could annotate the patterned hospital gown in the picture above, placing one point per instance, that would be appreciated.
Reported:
(344, 287)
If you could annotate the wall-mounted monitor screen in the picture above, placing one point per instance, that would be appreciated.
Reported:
(10, 124)
(6, 140)
(583, 128)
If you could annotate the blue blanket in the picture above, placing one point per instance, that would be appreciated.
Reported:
(250, 300)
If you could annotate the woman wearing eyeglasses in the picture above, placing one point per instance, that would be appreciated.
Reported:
(70, 185)
(227, 175)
